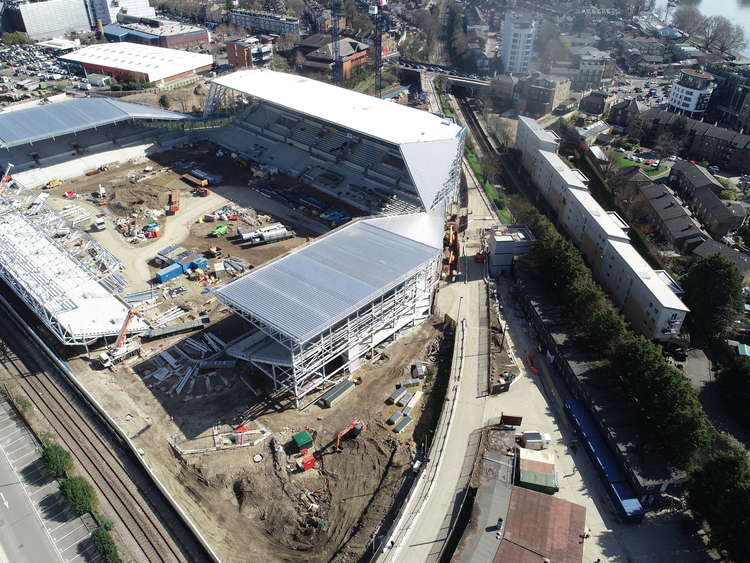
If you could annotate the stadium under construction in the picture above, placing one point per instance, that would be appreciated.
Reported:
(315, 313)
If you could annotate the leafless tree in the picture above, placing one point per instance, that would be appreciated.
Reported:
(688, 19)
(731, 36)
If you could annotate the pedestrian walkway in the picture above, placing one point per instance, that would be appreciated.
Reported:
(69, 534)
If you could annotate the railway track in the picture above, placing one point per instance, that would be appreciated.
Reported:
(103, 459)
(476, 128)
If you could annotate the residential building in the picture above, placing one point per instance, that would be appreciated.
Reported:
(264, 22)
(710, 247)
(730, 102)
(667, 217)
(703, 141)
(249, 52)
(474, 20)
(517, 46)
(647, 302)
(156, 32)
(538, 95)
(596, 103)
(699, 188)
(595, 68)
(317, 53)
(691, 92)
(132, 62)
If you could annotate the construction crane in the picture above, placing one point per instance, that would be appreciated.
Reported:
(355, 428)
(375, 11)
(119, 351)
(335, 41)
(6, 177)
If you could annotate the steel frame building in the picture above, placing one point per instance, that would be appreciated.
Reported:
(302, 357)
(71, 293)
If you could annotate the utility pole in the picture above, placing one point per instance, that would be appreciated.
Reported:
(335, 38)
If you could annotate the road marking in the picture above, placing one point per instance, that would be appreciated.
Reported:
(5, 502)
(41, 488)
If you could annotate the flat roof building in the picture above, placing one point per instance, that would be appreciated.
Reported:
(132, 62)
(265, 22)
(156, 32)
(646, 301)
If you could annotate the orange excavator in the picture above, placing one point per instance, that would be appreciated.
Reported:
(352, 431)
(6, 177)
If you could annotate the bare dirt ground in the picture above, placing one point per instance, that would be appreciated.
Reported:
(260, 511)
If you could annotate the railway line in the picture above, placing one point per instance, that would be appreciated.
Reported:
(130, 497)
(477, 131)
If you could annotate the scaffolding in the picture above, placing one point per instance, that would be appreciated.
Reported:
(307, 366)
(66, 290)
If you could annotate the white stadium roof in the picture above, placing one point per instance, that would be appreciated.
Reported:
(314, 287)
(60, 289)
(385, 120)
(157, 62)
(429, 144)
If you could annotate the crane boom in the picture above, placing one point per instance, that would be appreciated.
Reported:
(123, 331)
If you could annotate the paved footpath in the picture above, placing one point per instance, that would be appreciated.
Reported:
(35, 525)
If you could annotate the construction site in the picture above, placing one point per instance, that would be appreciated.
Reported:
(250, 299)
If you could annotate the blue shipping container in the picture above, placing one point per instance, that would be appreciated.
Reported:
(168, 273)
(199, 262)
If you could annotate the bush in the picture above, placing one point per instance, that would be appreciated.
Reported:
(79, 495)
(105, 545)
(57, 460)
(727, 194)
(22, 403)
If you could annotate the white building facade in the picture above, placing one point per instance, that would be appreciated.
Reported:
(646, 301)
(691, 92)
(519, 32)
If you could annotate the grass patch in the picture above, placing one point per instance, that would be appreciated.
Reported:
(648, 169)
(497, 198)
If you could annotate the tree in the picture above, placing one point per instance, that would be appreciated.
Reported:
(164, 101)
(668, 402)
(666, 145)
(734, 382)
(57, 460)
(105, 545)
(606, 329)
(713, 291)
(79, 495)
(730, 36)
(295, 7)
(15, 38)
(711, 30)
(720, 492)
(688, 19)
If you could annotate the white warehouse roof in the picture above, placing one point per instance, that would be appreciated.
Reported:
(157, 62)
(314, 287)
(388, 121)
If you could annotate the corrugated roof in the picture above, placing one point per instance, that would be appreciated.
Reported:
(54, 120)
(156, 62)
(368, 115)
(540, 526)
(320, 284)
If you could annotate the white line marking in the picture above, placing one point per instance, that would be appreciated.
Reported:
(5, 502)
